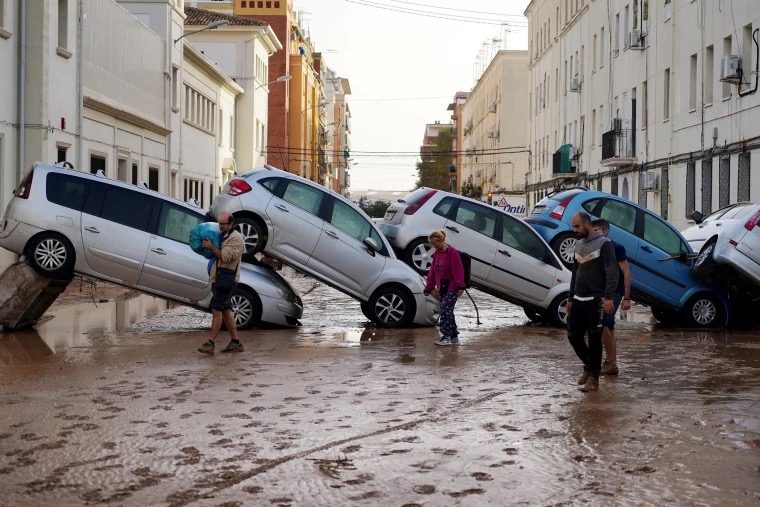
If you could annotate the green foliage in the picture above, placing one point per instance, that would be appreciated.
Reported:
(433, 170)
(470, 190)
(375, 209)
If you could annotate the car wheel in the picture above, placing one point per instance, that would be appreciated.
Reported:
(534, 315)
(705, 266)
(254, 234)
(419, 255)
(564, 246)
(667, 317)
(365, 310)
(391, 307)
(247, 308)
(703, 310)
(52, 255)
(558, 311)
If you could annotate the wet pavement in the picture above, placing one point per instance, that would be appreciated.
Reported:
(109, 404)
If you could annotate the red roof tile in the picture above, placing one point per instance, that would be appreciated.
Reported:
(202, 17)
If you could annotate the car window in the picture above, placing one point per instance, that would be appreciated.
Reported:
(66, 190)
(521, 237)
(620, 214)
(476, 217)
(353, 223)
(590, 205)
(175, 222)
(270, 183)
(740, 212)
(303, 196)
(662, 236)
(443, 207)
(120, 205)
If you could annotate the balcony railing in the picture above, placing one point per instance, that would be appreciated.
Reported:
(617, 148)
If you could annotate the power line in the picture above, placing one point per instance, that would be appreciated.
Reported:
(453, 9)
(463, 19)
(309, 151)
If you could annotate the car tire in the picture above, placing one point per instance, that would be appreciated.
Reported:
(664, 316)
(52, 255)
(705, 267)
(365, 310)
(703, 310)
(564, 246)
(419, 255)
(557, 313)
(246, 306)
(254, 234)
(534, 315)
(391, 307)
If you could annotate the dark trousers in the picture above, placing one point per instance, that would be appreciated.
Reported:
(586, 318)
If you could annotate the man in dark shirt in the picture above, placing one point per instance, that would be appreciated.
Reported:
(592, 286)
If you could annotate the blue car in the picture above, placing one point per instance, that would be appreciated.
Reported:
(659, 257)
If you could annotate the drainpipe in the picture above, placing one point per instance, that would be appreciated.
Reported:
(21, 155)
(168, 99)
(80, 87)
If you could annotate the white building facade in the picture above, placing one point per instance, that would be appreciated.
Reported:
(628, 97)
(494, 138)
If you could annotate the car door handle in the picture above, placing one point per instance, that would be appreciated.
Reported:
(452, 228)
(282, 208)
(92, 229)
(332, 234)
(505, 252)
(646, 249)
(159, 251)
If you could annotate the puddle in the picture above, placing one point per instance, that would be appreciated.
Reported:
(73, 326)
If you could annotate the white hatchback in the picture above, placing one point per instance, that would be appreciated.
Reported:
(325, 235)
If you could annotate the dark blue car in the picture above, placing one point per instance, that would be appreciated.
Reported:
(659, 257)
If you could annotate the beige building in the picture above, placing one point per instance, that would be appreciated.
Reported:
(495, 140)
(645, 101)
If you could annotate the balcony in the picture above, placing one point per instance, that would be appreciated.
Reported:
(618, 148)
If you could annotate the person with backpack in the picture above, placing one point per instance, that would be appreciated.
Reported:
(446, 281)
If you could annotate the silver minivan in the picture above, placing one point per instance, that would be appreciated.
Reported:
(66, 221)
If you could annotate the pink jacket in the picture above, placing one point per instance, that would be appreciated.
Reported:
(446, 265)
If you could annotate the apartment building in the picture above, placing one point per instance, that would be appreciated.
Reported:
(494, 137)
(336, 133)
(455, 176)
(650, 100)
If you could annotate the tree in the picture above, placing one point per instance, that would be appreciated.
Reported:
(433, 170)
(375, 208)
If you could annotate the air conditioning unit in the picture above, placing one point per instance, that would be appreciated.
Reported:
(651, 181)
(730, 67)
(636, 42)
(575, 85)
(617, 124)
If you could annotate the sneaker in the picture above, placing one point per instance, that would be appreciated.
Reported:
(444, 341)
(454, 341)
(584, 377)
(609, 368)
(233, 346)
(207, 348)
(591, 384)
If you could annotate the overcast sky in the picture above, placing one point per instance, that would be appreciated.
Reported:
(389, 56)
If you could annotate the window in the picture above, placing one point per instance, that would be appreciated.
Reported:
(477, 218)
(664, 193)
(616, 47)
(517, 235)
(220, 132)
(61, 153)
(135, 173)
(593, 125)
(601, 124)
(193, 189)
(176, 222)
(659, 234)
(748, 48)
(63, 24)
(66, 190)
(691, 170)
(724, 182)
(706, 186)
(153, 178)
(709, 77)
(305, 197)
(620, 214)
(726, 52)
(199, 110)
(626, 24)
(644, 105)
(693, 82)
(601, 49)
(126, 207)
(593, 61)
(175, 87)
(666, 95)
(444, 207)
(97, 163)
(743, 181)
(350, 221)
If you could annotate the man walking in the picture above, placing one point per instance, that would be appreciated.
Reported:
(592, 286)
(225, 273)
(622, 294)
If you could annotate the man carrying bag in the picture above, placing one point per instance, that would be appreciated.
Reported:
(225, 273)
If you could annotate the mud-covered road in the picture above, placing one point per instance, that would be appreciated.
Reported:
(110, 404)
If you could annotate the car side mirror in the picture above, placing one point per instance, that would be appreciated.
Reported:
(371, 245)
(683, 257)
(697, 217)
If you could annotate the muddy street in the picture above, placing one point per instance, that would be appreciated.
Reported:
(110, 404)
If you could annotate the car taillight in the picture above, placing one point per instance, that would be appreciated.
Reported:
(26, 186)
(752, 222)
(559, 210)
(238, 187)
(412, 208)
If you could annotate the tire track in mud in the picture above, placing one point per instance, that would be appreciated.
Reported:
(180, 499)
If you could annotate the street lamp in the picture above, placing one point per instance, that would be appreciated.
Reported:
(321, 104)
(286, 77)
(211, 26)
